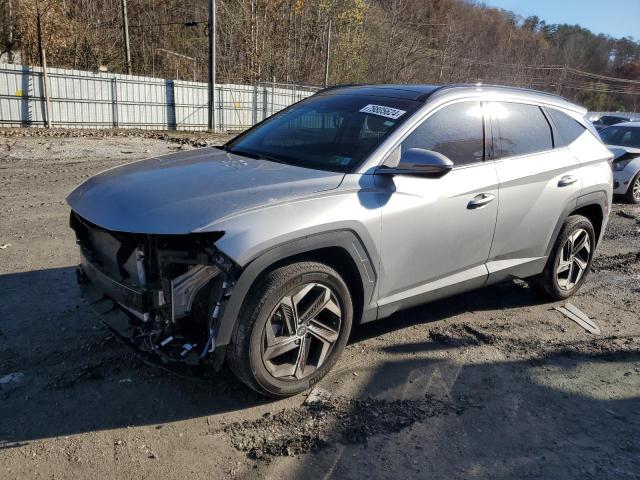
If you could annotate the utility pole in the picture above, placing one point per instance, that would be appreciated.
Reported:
(43, 64)
(39, 32)
(45, 84)
(10, 33)
(211, 117)
(327, 57)
(563, 75)
(125, 37)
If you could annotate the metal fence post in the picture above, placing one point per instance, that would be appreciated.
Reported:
(254, 114)
(273, 94)
(221, 107)
(265, 101)
(170, 102)
(114, 102)
(175, 105)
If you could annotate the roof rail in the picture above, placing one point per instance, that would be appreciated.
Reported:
(505, 87)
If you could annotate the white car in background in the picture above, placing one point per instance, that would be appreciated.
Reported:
(624, 141)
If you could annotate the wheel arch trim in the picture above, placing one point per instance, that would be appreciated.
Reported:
(599, 199)
(344, 239)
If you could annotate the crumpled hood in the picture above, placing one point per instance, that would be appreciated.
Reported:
(185, 192)
(619, 151)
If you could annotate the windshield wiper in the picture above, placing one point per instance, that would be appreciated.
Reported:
(255, 156)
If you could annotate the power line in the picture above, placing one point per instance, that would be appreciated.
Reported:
(190, 23)
(575, 71)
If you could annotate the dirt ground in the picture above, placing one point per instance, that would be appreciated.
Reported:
(490, 384)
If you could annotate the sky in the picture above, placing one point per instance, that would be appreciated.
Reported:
(617, 18)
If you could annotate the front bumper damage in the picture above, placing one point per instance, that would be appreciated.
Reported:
(164, 295)
(621, 180)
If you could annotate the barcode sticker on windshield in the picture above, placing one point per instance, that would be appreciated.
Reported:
(383, 111)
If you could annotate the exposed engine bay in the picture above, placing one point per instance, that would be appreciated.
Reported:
(163, 294)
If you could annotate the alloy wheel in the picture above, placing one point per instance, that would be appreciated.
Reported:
(573, 259)
(301, 332)
(636, 189)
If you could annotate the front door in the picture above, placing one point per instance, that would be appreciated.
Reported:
(437, 232)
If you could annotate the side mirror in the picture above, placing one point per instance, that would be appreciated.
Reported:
(421, 163)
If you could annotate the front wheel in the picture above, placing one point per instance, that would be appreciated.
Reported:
(569, 261)
(293, 326)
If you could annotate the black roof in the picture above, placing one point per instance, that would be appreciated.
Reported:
(409, 92)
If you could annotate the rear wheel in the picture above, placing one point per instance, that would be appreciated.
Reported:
(633, 193)
(569, 261)
(292, 328)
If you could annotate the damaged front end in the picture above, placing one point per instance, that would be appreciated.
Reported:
(162, 294)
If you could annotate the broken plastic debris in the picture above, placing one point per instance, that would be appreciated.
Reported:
(318, 395)
(187, 348)
(624, 214)
(5, 246)
(574, 313)
(16, 377)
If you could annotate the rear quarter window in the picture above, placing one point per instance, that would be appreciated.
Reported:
(568, 129)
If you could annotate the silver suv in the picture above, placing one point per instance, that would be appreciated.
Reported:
(342, 209)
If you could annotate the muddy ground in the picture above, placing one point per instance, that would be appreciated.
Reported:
(490, 384)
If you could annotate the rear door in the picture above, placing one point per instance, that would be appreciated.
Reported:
(539, 181)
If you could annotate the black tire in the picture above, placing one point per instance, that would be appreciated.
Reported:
(546, 283)
(629, 196)
(244, 354)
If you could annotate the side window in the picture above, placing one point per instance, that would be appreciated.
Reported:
(621, 136)
(522, 129)
(568, 129)
(455, 131)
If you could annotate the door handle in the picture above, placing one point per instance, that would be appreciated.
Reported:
(567, 180)
(480, 200)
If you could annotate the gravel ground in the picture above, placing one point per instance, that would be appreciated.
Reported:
(490, 384)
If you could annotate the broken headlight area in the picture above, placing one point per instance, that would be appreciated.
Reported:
(164, 294)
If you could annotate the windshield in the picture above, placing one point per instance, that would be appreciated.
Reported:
(622, 136)
(326, 132)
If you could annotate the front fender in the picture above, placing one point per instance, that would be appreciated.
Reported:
(348, 218)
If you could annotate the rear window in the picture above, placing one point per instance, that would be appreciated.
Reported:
(568, 129)
(522, 129)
